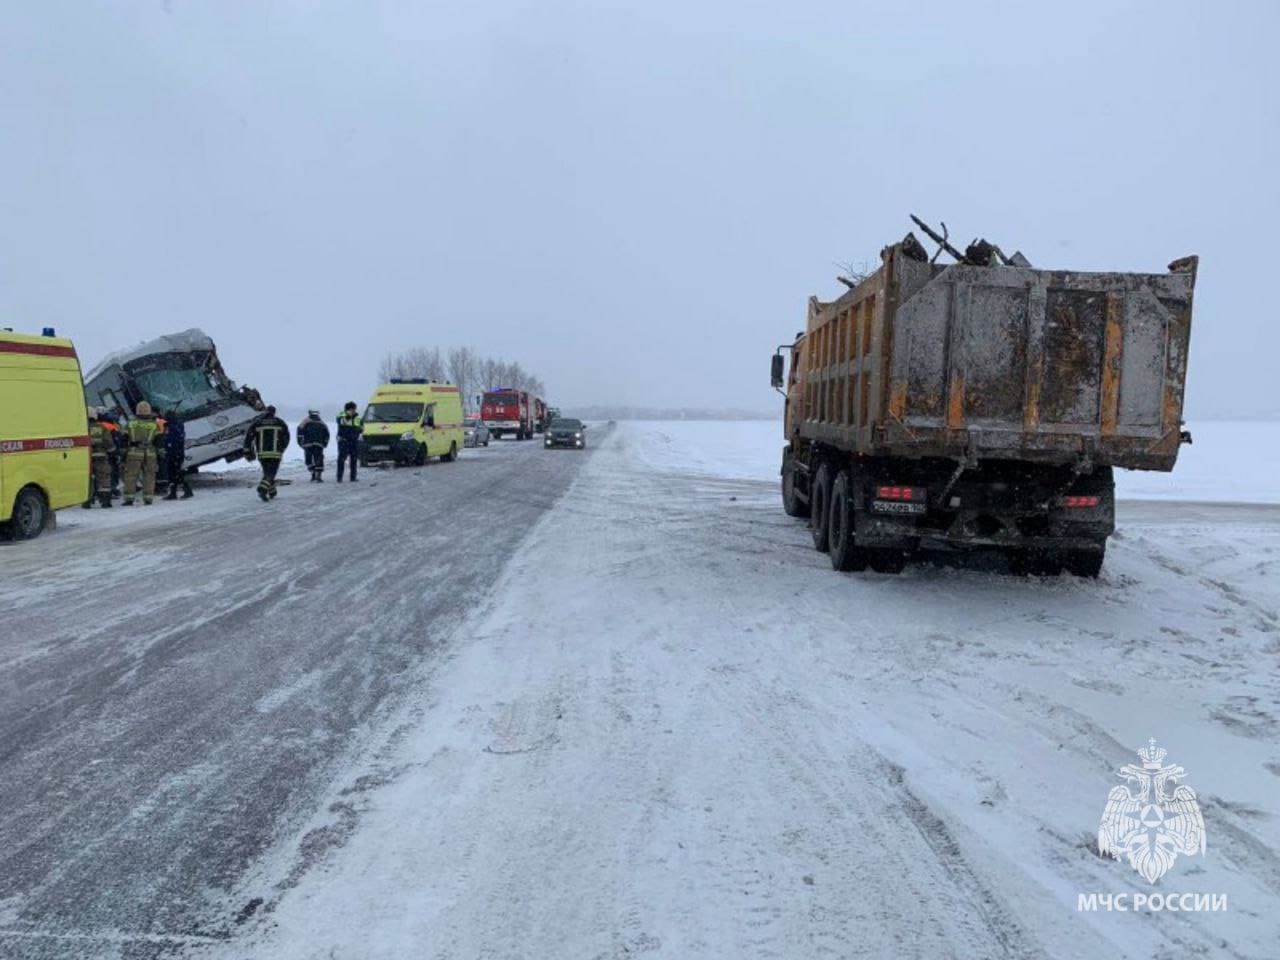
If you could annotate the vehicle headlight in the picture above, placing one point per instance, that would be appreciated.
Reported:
(577, 436)
(407, 435)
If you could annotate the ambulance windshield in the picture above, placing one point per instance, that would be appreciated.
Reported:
(393, 413)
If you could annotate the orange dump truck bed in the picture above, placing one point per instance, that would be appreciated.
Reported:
(1008, 362)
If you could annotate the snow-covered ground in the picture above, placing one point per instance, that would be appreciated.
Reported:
(673, 731)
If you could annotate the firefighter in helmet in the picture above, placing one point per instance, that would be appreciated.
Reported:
(267, 440)
(101, 446)
(144, 436)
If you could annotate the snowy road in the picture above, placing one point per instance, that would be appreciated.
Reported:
(668, 730)
(178, 681)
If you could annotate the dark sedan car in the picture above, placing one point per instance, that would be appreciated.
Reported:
(566, 432)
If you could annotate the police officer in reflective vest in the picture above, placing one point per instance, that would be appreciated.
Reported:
(145, 437)
(267, 440)
(350, 426)
(101, 445)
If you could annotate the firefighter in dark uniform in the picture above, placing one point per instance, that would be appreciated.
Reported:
(313, 437)
(175, 457)
(267, 440)
(102, 444)
(350, 426)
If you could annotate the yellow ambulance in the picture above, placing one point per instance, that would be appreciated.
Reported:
(408, 421)
(44, 431)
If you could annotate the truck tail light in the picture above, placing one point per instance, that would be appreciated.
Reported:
(900, 493)
(1081, 501)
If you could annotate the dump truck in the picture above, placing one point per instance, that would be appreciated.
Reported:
(980, 403)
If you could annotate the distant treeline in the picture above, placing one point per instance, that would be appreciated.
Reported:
(473, 373)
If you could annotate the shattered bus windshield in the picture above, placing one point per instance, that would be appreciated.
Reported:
(184, 388)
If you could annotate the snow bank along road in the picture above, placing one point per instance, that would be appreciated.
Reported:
(178, 681)
(669, 730)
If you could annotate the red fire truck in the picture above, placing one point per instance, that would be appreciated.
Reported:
(506, 411)
(540, 418)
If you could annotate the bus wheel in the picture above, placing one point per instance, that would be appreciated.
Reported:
(30, 514)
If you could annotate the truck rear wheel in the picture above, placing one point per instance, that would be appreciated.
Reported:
(30, 514)
(845, 553)
(792, 505)
(452, 455)
(819, 508)
(1084, 563)
(887, 560)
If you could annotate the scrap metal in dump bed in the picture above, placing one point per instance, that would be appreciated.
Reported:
(981, 403)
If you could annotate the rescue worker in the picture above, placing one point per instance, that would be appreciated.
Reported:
(350, 426)
(267, 440)
(175, 457)
(144, 439)
(313, 437)
(116, 454)
(101, 445)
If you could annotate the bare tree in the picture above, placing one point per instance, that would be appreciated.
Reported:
(474, 374)
(412, 363)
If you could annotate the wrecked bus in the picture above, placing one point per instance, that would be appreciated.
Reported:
(179, 374)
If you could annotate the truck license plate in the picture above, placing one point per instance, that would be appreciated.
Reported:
(895, 506)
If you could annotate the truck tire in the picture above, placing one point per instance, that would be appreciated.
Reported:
(888, 560)
(420, 459)
(451, 456)
(792, 505)
(845, 553)
(819, 508)
(1042, 563)
(30, 514)
(1085, 563)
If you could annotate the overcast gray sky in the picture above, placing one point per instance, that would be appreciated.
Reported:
(634, 201)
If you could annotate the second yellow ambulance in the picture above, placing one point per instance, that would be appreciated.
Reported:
(408, 421)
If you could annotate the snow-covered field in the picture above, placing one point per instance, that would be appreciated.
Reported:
(1229, 460)
(672, 731)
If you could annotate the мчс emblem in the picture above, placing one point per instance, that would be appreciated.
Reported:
(1152, 818)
